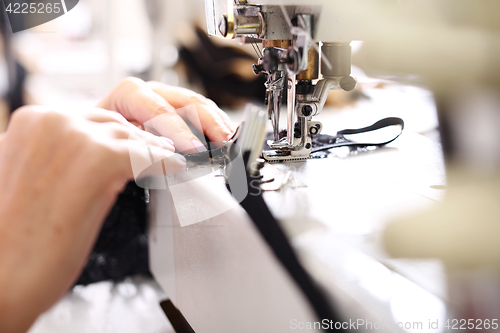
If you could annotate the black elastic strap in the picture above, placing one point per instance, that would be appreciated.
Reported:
(339, 140)
(272, 232)
(179, 323)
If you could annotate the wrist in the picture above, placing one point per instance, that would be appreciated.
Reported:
(17, 312)
(12, 316)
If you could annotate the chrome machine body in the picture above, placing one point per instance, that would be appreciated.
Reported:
(302, 61)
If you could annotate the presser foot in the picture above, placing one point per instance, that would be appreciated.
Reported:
(275, 156)
(281, 152)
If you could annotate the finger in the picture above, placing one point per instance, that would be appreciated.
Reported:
(100, 115)
(208, 115)
(146, 160)
(229, 123)
(122, 132)
(136, 101)
(122, 128)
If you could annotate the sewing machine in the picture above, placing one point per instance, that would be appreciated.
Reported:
(301, 58)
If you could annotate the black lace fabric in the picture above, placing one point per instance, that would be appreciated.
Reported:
(121, 249)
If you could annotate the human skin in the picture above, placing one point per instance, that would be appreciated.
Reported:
(60, 173)
(140, 101)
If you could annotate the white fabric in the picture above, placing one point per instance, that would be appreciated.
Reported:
(131, 306)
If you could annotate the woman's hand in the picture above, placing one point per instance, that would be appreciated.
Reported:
(59, 176)
(140, 102)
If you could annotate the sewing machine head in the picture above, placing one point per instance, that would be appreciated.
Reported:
(292, 58)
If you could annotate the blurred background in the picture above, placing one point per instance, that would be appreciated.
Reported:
(78, 58)
(81, 56)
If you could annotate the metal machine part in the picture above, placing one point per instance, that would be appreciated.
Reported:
(292, 60)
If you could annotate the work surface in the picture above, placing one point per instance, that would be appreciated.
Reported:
(222, 276)
(334, 211)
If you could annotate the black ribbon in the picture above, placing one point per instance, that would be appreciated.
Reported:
(325, 142)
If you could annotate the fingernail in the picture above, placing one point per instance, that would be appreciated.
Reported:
(199, 146)
(167, 140)
(180, 158)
